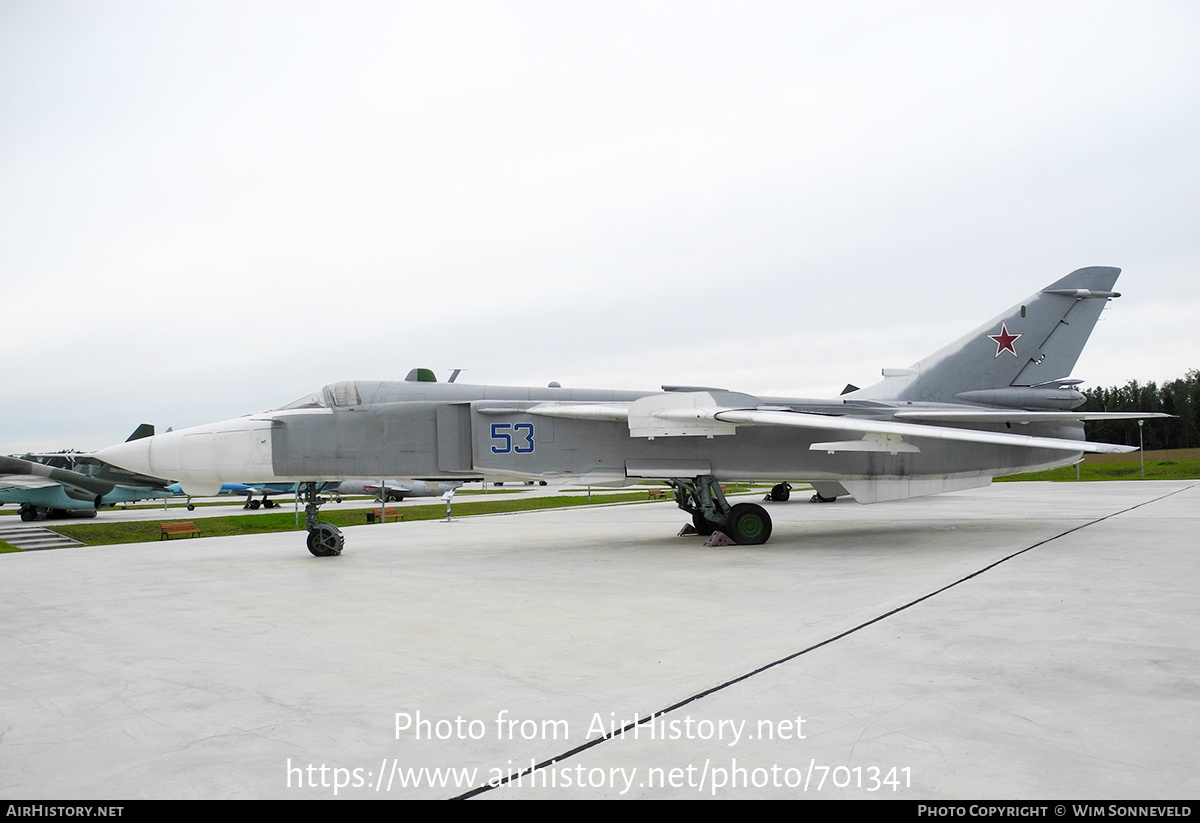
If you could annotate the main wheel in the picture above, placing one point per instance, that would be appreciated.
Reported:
(28, 513)
(781, 492)
(748, 524)
(703, 525)
(325, 540)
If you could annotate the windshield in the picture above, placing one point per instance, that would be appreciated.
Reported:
(341, 394)
(315, 400)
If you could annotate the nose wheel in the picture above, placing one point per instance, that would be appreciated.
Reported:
(324, 539)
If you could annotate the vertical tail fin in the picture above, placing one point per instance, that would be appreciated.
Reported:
(1018, 358)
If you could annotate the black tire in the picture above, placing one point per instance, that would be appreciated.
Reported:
(191, 507)
(781, 492)
(29, 514)
(325, 541)
(748, 524)
(254, 504)
(703, 525)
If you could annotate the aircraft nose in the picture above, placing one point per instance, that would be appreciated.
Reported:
(134, 456)
(232, 451)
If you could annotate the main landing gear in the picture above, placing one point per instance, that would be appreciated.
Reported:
(324, 539)
(745, 523)
(30, 512)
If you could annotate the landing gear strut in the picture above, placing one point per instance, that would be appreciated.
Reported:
(324, 539)
(746, 523)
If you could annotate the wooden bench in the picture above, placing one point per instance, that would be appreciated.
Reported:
(169, 530)
(658, 494)
(384, 514)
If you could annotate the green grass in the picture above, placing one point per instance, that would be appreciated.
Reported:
(103, 534)
(1118, 470)
(5, 548)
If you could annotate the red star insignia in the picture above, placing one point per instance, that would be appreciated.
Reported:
(1004, 340)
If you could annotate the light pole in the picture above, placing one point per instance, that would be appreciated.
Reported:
(1141, 448)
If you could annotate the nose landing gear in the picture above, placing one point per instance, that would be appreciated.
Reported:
(324, 539)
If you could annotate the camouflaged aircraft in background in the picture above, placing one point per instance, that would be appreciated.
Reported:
(997, 401)
(73, 484)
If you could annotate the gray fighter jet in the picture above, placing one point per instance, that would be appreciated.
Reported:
(997, 401)
(392, 490)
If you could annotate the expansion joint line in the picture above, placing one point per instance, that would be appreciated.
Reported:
(621, 732)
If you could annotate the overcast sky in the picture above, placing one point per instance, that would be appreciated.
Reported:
(209, 209)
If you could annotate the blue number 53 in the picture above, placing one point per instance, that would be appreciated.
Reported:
(512, 438)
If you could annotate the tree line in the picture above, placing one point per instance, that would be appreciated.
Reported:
(1178, 397)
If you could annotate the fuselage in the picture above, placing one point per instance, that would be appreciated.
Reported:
(366, 430)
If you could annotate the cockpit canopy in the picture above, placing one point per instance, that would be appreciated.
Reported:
(343, 394)
(350, 394)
